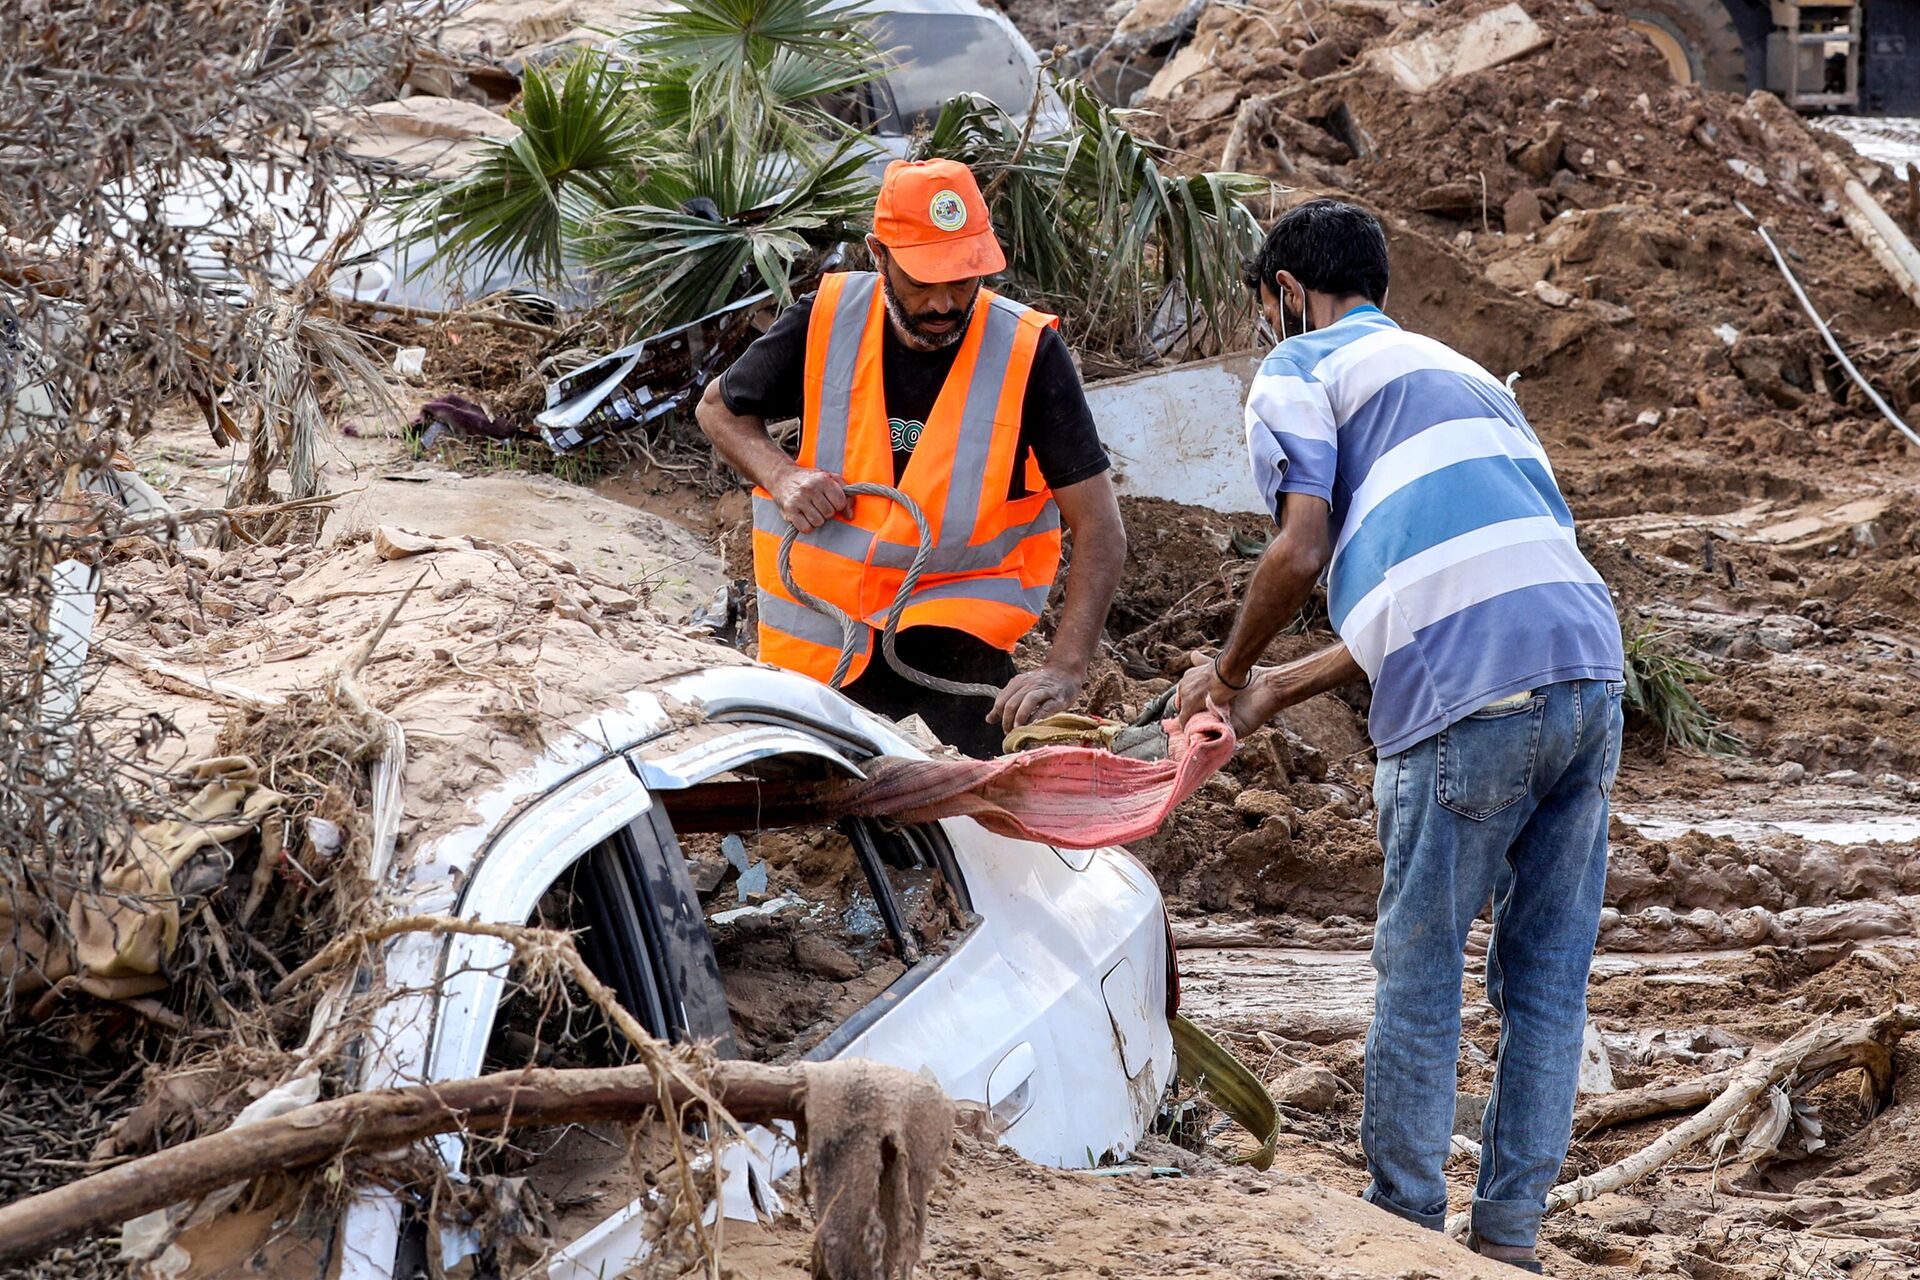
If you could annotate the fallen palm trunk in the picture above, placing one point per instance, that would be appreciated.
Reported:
(390, 1118)
(1805, 1059)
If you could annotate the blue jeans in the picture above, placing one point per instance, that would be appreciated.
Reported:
(1510, 802)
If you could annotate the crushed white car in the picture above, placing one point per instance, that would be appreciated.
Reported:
(1029, 979)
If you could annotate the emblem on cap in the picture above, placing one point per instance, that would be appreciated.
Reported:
(948, 211)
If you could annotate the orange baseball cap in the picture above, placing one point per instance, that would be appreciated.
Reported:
(934, 222)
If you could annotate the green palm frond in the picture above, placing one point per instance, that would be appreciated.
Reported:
(776, 214)
(751, 69)
(721, 35)
(710, 164)
(523, 199)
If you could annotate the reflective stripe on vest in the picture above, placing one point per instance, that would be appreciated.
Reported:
(993, 558)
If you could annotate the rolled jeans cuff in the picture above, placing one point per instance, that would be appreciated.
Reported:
(1515, 1222)
(1431, 1221)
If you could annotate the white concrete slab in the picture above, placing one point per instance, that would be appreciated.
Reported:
(1482, 42)
(1179, 433)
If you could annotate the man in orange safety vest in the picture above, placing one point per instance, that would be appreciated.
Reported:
(918, 377)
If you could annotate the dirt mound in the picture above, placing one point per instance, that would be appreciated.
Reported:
(1570, 215)
(1697, 871)
(995, 1215)
(498, 651)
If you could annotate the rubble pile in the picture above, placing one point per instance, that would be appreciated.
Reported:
(1567, 213)
(495, 650)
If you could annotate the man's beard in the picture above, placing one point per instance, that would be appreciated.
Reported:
(914, 326)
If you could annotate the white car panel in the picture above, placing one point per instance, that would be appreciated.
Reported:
(513, 876)
(728, 747)
(1051, 1006)
(1025, 975)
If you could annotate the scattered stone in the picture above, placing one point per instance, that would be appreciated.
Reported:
(1609, 312)
(1790, 773)
(1469, 1109)
(1156, 22)
(1892, 783)
(1596, 1068)
(1522, 214)
(1215, 105)
(1540, 157)
(1320, 59)
(1519, 272)
(1220, 788)
(1552, 294)
(614, 600)
(824, 958)
(1751, 172)
(393, 543)
(1846, 778)
(1311, 1089)
(1648, 418)
(1345, 127)
(1450, 200)
(1258, 803)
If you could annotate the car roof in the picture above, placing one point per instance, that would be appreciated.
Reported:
(969, 8)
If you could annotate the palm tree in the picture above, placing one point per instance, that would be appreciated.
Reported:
(712, 169)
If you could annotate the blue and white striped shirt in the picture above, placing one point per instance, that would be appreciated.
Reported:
(1455, 578)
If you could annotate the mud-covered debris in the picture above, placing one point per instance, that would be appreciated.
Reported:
(876, 1141)
(1312, 1089)
(1485, 41)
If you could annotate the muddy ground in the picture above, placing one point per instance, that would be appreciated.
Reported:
(1742, 501)
(1575, 219)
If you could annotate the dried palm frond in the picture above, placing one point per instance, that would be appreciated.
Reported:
(1095, 230)
(297, 359)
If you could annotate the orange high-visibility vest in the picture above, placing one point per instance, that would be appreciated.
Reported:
(993, 558)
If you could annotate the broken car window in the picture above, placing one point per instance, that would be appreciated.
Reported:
(802, 939)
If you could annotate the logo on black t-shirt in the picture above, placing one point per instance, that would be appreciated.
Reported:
(905, 434)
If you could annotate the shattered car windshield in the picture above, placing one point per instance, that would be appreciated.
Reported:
(938, 55)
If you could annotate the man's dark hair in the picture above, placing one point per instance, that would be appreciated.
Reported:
(1330, 247)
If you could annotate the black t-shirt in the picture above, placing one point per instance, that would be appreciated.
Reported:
(1055, 423)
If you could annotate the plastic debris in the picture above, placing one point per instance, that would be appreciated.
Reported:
(771, 907)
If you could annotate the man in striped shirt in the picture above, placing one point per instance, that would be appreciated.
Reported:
(1408, 475)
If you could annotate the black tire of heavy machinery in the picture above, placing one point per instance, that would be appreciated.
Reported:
(1705, 30)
